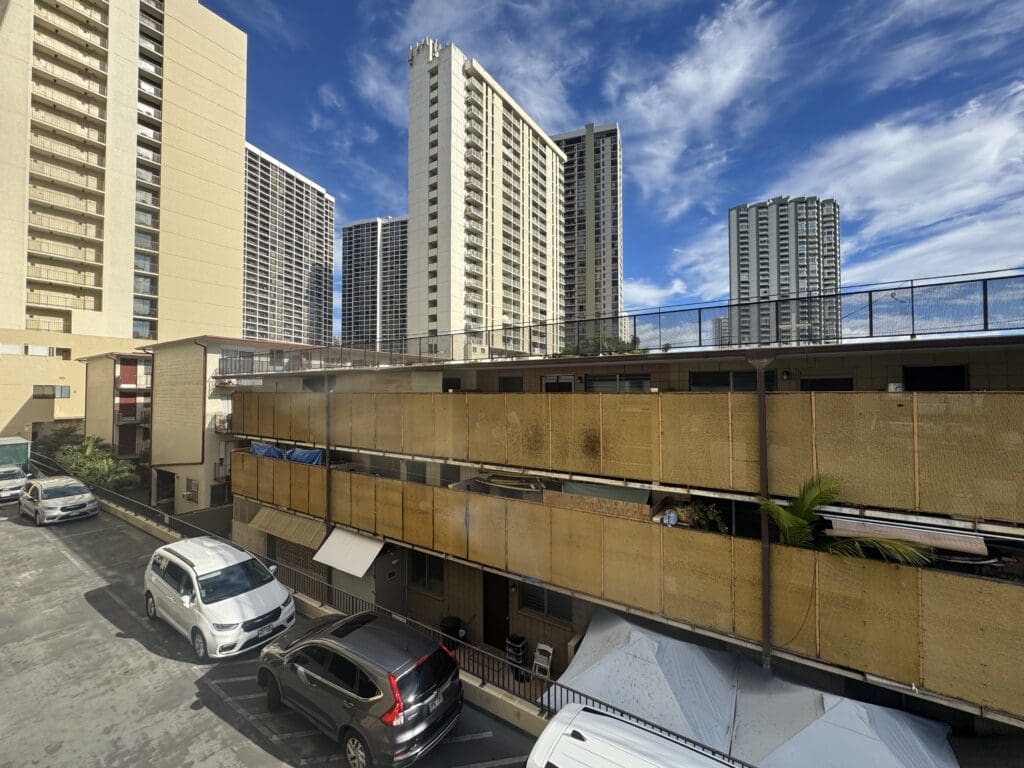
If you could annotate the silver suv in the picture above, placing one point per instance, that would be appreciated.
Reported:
(386, 692)
(12, 482)
(216, 594)
(53, 499)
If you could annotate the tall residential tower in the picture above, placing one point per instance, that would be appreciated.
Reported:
(289, 254)
(593, 230)
(784, 257)
(374, 283)
(485, 211)
(122, 142)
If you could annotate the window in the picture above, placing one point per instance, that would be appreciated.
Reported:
(510, 383)
(341, 671)
(426, 572)
(49, 392)
(827, 384)
(632, 382)
(730, 381)
(311, 657)
(174, 575)
(452, 383)
(556, 383)
(554, 605)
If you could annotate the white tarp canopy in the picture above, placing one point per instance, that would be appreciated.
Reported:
(350, 552)
(730, 704)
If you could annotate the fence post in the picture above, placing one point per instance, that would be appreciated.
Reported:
(984, 304)
(700, 327)
(913, 318)
(871, 315)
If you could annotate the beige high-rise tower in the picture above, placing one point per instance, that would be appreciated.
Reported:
(122, 178)
(485, 212)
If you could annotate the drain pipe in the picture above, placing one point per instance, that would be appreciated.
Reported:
(760, 362)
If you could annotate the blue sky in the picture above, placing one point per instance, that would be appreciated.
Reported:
(910, 113)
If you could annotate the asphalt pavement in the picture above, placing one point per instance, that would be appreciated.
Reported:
(87, 680)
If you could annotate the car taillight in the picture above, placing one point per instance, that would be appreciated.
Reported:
(396, 715)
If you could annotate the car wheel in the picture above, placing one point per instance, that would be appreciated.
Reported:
(199, 646)
(150, 607)
(356, 753)
(35, 516)
(273, 695)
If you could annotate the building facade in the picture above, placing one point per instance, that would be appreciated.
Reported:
(289, 254)
(375, 283)
(593, 231)
(485, 211)
(118, 402)
(784, 272)
(121, 147)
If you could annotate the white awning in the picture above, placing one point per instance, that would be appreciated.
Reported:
(350, 552)
(957, 542)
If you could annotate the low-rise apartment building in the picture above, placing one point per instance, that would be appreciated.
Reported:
(519, 494)
(118, 402)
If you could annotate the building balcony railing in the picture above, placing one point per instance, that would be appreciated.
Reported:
(630, 562)
(139, 381)
(64, 176)
(64, 276)
(64, 201)
(52, 325)
(69, 27)
(61, 251)
(65, 227)
(155, 4)
(76, 129)
(133, 416)
(80, 106)
(149, 23)
(150, 46)
(67, 302)
(82, 9)
(69, 76)
(47, 40)
(65, 151)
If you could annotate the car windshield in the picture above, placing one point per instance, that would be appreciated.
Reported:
(11, 473)
(234, 580)
(427, 676)
(63, 491)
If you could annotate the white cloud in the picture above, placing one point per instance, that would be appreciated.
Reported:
(383, 86)
(640, 292)
(679, 118)
(266, 19)
(903, 176)
(704, 263)
(330, 97)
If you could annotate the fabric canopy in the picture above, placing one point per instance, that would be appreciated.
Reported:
(731, 704)
(284, 525)
(348, 551)
(305, 455)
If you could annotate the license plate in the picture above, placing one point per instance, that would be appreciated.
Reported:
(433, 704)
(265, 631)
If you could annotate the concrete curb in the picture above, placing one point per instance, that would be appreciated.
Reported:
(131, 518)
(503, 705)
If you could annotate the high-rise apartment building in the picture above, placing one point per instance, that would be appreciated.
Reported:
(289, 254)
(784, 271)
(593, 230)
(374, 283)
(122, 129)
(485, 211)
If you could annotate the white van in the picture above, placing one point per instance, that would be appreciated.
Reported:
(583, 737)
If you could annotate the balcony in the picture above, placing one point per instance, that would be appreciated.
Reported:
(65, 227)
(474, 211)
(52, 325)
(81, 9)
(61, 251)
(154, 69)
(69, 52)
(156, 5)
(148, 177)
(62, 151)
(150, 23)
(69, 77)
(146, 219)
(148, 155)
(63, 202)
(133, 416)
(149, 89)
(68, 27)
(149, 111)
(34, 298)
(70, 128)
(61, 276)
(146, 242)
(144, 197)
(151, 46)
(78, 106)
(138, 381)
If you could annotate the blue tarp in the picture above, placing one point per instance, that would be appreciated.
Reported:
(265, 449)
(304, 455)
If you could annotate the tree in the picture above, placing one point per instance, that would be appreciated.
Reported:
(800, 525)
(93, 462)
(50, 444)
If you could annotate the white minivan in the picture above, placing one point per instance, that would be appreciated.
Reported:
(584, 737)
(224, 600)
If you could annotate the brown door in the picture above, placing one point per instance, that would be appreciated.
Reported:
(495, 609)
(129, 371)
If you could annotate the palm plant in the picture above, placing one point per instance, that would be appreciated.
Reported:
(800, 525)
(93, 462)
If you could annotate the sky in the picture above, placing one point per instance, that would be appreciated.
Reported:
(909, 112)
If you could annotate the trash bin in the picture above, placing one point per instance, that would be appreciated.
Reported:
(515, 653)
(452, 627)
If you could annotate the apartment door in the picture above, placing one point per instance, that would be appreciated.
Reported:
(389, 579)
(129, 373)
(495, 610)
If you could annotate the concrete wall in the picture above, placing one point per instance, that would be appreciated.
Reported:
(99, 398)
(179, 396)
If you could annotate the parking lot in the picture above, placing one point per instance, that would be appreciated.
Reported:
(87, 680)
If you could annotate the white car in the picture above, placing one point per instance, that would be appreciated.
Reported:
(53, 499)
(224, 600)
(12, 483)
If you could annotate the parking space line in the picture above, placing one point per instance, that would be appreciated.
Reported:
(85, 533)
(468, 737)
(497, 763)
(145, 623)
(247, 717)
(242, 679)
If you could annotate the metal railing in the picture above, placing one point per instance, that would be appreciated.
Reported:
(937, 307)
(541, 691)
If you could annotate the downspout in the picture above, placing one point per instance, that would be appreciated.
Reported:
(760, 362)
(202, 440)
(327, 458)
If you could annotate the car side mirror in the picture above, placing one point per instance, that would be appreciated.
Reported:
(273, 569)
(28, 475)
(186, 600)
